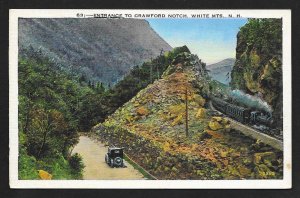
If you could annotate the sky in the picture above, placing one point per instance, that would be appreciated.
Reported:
(211, 39)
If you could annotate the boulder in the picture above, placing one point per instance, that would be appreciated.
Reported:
(218, 122)
(263, 172)
(199, 172)
(44, 175)
(142, 111)
(225, 121)
(175, 170)
(217, 118)
(214, 125)
(129, 118)
(200, 113)
(178, 120)
(244, 170)
(260, 157)
(199, 100)
(223, 154)
(204, 135)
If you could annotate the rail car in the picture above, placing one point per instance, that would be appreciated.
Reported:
(242, 114)
(220, 104)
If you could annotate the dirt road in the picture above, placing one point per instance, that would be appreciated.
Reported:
(93, 154)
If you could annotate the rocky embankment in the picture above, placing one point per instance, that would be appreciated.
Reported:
(151, 127)
(258, 66)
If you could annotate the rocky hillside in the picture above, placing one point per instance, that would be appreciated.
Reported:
(221, 71)
(258, 66)
(100, 49)
(152, 128)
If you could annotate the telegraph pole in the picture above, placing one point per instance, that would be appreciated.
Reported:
(158, 62)
(151, 70)
(157, 71)
(186, 113)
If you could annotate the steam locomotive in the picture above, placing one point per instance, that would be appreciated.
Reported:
(261, 120)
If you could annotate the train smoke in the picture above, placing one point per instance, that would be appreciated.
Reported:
(250, 101)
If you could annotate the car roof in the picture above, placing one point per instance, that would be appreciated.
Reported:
(114, 148)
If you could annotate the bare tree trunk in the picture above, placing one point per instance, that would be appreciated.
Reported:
(46, 132)
(25, 129)
(70, 152)
(26, 122)
(43, 144)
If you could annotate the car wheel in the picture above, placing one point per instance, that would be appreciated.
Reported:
(118, 161)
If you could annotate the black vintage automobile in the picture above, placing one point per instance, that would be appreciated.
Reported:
(114, 157)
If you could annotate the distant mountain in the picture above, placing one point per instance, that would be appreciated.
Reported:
(221, 71)
(100, 49)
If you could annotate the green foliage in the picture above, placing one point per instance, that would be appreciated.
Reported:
(218, 88)
(263, 34)
(76, 162)
(27, 166)
(58, 167)
(259, 41)
(48, 116)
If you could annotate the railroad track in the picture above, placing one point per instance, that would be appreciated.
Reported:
(248, 131)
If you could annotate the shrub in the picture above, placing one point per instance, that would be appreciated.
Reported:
(76, 162)
(27, 166)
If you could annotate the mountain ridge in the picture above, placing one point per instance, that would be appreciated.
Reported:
(221, 70)
(225, 61)
(100, 49)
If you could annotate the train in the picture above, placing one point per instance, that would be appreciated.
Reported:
(259, 119)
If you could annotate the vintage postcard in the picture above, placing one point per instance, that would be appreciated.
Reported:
(150, 99)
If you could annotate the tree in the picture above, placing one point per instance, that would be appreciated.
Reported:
(43, 125)
(99, 87)
(82, 79)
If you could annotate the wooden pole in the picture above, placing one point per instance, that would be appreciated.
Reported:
(151, 70)
(159, 63)
(186, 114)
